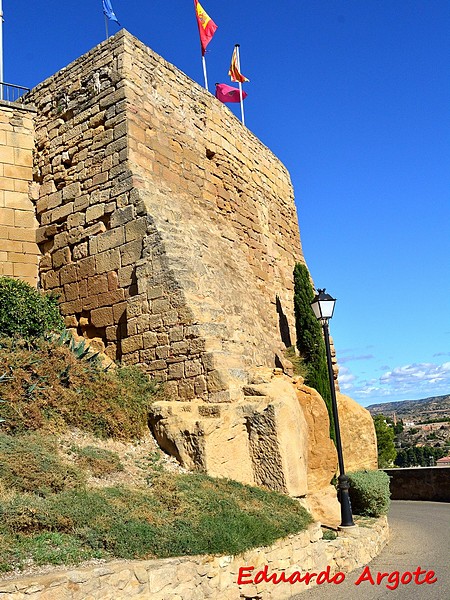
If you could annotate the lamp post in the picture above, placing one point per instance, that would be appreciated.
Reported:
(323, 307)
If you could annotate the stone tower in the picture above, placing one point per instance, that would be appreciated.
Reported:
(170, 233)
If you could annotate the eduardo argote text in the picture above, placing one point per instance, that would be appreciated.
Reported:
(390, 580)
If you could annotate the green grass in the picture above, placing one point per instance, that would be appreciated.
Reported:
(179, 515)
(298, 363)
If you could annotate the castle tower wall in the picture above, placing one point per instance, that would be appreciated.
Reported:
(170, 234)
(168, 229)
(19, 252)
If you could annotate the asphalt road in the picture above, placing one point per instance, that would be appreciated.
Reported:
(420, 537)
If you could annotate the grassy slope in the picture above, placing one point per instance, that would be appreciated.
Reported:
(52, 509)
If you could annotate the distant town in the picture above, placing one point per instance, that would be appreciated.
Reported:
(421, 430)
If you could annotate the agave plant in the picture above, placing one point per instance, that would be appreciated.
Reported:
(80, 349)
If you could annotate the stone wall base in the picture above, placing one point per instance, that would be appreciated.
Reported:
(203, 577)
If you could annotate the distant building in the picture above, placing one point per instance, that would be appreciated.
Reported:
(443, 462)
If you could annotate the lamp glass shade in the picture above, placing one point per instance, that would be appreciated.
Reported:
(323, 305)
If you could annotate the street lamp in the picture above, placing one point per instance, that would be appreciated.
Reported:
(323, 307)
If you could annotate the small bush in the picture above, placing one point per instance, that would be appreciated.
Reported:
(369, 493)
(26, 312)
(328, 535)
(98, 461)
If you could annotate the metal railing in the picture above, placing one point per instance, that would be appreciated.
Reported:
(11, 92)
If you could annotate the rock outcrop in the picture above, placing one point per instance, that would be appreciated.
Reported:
(262, 439)
(359, 441)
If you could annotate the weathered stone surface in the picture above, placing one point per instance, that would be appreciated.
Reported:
(263, 439)
(121, 172)
(19, 253)
(322, 457)
(359, 442)
(321, 500)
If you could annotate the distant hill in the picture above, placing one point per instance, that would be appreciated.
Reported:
(415, 410)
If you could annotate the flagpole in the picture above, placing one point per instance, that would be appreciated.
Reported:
(106, 27)
(1, 50)
(238, 56)
(204, 71)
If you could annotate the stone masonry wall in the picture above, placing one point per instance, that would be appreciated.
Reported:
(420, 483)
(19, 253)
(168, 229)
(224, 208)
(214, 577)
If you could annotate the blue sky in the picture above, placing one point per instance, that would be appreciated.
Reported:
(354, 97)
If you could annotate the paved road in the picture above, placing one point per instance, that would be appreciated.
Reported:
(420, 537)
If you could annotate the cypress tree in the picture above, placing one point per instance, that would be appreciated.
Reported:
(310, 342)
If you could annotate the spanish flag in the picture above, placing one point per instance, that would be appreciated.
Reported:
(206, 26)
(235, 66)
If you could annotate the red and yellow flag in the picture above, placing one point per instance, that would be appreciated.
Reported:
(206, 26)
(234, 68)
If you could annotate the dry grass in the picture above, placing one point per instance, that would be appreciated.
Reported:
(47, 387)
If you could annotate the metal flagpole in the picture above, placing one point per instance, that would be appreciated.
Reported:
(106, 27)
(1, 50)
(238, 56)
(204, 72)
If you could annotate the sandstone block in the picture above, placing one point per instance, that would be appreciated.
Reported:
(94, 212)
(119, 311)
(102, 317)
(136, 229)
(110, 239)
(97, 284)
(71, 291)
(71, 191)
(359, 444)
(130, 253)
(107, 261)
(122, 216)
(61, 257)
(17, 200)
(131, 344)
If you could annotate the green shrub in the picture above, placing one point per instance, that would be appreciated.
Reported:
(369, 493)
(178, 515)
(328, 535)
(26, 312)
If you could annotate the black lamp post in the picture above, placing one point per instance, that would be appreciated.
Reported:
(323, 307)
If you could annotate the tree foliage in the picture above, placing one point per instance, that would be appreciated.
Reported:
(310, 342)
(419, 456)
(385, 441)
